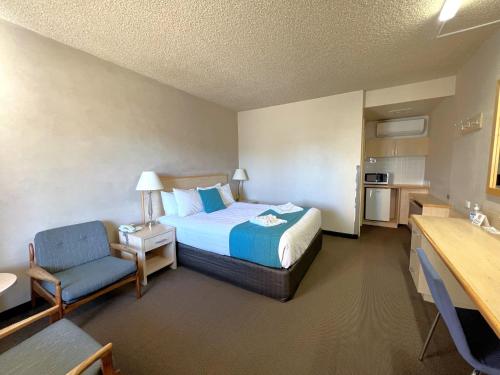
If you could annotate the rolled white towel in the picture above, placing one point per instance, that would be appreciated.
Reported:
(287, 208)
(267, 220)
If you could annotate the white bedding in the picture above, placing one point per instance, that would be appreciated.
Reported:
(210, 232)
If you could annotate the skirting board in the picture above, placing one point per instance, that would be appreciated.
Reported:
(341, 234)
(388, 224)
(17, 311)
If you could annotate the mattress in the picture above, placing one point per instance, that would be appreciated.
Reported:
(210, 232)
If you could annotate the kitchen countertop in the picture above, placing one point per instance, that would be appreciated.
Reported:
(428, 200)
(397, 186)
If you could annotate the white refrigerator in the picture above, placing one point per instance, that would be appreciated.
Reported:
(378, 204)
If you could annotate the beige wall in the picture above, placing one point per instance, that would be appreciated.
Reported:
(458, 165)
(435, 88)
(76, 133)
(437, 168)
(307, 153)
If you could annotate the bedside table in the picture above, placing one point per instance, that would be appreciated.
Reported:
(155, 248)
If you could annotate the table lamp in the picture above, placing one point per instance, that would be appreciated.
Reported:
(149, 181)
(240, 175)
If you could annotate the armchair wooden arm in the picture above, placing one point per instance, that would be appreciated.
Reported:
(26, 322)
(131, 251)
(123, 248)
(37, 272)
(104, 354)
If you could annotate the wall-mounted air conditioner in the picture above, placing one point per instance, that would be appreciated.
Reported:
(404, 127)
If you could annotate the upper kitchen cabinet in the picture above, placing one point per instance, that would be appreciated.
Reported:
(387, 147)
(412, 146)
(380, 147)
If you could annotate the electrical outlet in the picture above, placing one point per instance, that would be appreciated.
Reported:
(467, 204)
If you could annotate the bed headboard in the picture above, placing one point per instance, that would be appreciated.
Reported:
(170, 182)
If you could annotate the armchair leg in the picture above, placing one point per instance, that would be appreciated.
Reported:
(57, 316)
(31, 252)
(33, 295)
(61, 312)
(54, 318)
(59, 301)
(137, 286)
(107, 365)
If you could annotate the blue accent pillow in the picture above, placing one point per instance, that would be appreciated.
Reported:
(211, 200)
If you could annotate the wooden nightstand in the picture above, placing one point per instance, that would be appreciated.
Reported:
(155, 248)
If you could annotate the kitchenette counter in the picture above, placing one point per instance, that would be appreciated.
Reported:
(399, 203)
(427, 200)
(427, 205)
(396, 186)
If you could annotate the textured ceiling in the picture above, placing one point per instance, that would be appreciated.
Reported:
(250, 54)
(472, 13)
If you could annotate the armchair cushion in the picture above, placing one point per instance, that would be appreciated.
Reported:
(82, 280)
(61, 248)
(54, 350)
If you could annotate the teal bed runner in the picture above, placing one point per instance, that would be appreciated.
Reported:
(260, 244)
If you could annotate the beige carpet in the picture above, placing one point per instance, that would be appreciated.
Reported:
(356, 312)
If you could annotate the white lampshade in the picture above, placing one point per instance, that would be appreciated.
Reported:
(149, 181)
(240, 175)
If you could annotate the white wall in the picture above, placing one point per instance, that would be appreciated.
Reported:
(458, 165)
(438, 162)
(307, 153)
(434, 88)
(405, 170)
(76, 133)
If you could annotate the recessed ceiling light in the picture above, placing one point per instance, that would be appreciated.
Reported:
(449, 9)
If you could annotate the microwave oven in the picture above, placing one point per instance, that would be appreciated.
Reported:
(384, 178)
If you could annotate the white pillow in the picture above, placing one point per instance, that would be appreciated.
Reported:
(188, 202)
(169, 204)
(226, 194)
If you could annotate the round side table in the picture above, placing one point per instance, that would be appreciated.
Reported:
(6, 281)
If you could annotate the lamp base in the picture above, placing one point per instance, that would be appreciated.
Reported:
(239, 194)
(150, 224)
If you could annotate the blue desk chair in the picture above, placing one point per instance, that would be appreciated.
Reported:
(475, 340)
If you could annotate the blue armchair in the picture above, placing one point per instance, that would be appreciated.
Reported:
(72, 265)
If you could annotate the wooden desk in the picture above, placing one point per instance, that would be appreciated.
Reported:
(472, 256)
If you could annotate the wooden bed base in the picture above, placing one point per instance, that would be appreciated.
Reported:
(280, 284)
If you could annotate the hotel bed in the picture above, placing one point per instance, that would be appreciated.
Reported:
(203, 244)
